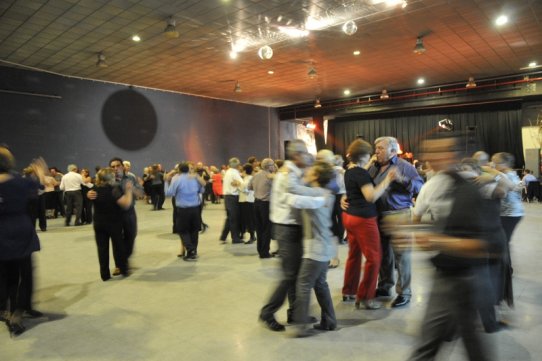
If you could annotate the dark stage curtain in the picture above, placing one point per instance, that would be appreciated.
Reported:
(492, 131)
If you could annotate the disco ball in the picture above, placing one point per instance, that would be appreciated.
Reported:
(265, 52)
(350, 27)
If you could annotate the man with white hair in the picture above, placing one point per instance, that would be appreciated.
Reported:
(71, 185)
(231, 183)
(261, 184)
(395, 201)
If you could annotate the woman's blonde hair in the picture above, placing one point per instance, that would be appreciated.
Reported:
(105, 176)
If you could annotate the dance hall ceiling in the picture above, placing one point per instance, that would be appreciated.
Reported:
(312, 53)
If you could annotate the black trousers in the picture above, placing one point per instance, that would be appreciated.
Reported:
(337, 219)
(157, 196)
(36, 209)
(103, 233)
(263, 227)
(16, 284)
(129, 234)
(233, 214)
(188, 226)
(247, 218)
(290, 239)
(74, 199)
(86, 215)
(59, 204)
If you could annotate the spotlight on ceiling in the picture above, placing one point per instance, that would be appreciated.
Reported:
(170, 31)
(347, 92)
(446, 124)
(233, 55)
(419, 49)
(237, 88)
(501, 20)
(136, 38)
(384, 95)
(270, 72)
(420, 81)
(101, 60)
(312, 73)
(471, 83)
(317, 103)
(350, 27)
(265, 52)
(311, 125)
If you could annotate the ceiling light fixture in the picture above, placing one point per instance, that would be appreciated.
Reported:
(233, 54)
(237, 88)
(270, 72)
(419, 49)
(384, 95)
(239, 45)
(421, 81)
(101, 60)
(136, 38)
(265, 52)
(356, 52)
(350, 27)
(501, 20)
(293, 32)
(311, 125)
(471, 83)
(170, 31)
(532, 64)
(346, 92)
(312, 73)
(317, 103)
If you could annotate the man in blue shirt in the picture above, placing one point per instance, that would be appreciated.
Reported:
(396, 200)
(186, 187)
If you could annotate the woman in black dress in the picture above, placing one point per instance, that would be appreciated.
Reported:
(108, 206)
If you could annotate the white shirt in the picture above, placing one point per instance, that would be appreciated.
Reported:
(288, 180)
(231, 175)
(71, 181)
(246, 195)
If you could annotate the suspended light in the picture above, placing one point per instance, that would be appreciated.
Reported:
(101, 60)
(170, 31)
(237, 88)
(471, 83)
(350, 27)
(419, 48)
(265, 52)
(312, 73)
(384, 94)
(317, 103)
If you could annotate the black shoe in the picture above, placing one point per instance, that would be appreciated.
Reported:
(203, 228)
(43, 229)
(400, 301)
(191, 256)
(16, 328)
(273, 325)
(32, 314)
(250, 241)
(237, 242)
(382, 293)
(321, 327)
(78, 224)
(310, 319)
(266, 256)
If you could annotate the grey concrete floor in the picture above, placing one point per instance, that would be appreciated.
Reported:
(207, 310)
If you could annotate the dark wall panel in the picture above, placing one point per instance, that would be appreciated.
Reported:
(94, 121)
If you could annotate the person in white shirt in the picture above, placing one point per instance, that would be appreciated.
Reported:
(288, 230)
(71, 185)
(232, 182)
(246, 204)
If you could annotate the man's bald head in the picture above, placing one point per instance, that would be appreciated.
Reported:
(481, 157)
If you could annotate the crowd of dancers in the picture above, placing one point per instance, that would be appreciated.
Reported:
(466, 209)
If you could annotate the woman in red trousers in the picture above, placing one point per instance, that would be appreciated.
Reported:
(360, 221)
